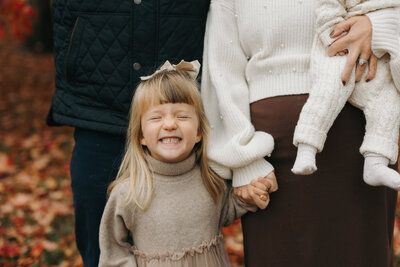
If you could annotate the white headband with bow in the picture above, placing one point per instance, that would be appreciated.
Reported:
(192, 68)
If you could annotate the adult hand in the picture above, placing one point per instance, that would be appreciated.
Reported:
(257, 193)
(357, 42)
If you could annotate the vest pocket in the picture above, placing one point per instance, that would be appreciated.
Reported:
(73, 49)
(98, 56)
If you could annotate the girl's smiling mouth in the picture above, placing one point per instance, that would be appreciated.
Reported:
(170, 140)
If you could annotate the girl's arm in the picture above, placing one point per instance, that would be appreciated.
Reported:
(236, 150)
(232, 207)
(114, 235)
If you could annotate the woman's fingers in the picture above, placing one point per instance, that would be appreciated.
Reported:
(260, 201)
(259, 191)
(261, 183)
(271, 178)
(341, 27)
(362, 64)
(372, 65)
(247, 194)
(338, 46)
(349, 66)
(357, 41)
(342, 53)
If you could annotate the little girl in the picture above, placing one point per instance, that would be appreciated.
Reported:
(378, 98)
(167, 207)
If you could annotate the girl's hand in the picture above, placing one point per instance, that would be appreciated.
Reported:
(257, 192)
(357, 42)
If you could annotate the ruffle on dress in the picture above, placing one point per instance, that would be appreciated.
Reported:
(210, 253)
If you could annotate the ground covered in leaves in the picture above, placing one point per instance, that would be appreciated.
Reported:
(36, 212)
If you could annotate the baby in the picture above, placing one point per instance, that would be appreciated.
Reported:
(378, 98)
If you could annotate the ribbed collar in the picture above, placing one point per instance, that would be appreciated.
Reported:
(172, 169)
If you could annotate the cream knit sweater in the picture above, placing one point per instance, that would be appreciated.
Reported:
(254, 50)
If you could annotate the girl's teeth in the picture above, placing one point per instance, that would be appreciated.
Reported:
(170, 140)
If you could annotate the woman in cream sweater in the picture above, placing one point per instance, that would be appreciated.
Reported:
(255, 82)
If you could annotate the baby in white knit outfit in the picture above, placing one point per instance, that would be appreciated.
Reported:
(378, 98)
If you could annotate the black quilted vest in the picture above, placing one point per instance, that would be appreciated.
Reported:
(102, 47)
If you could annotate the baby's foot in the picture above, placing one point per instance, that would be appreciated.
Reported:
(377, 172)
(305, 160)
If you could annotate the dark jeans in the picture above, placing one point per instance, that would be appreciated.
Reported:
(94, 164)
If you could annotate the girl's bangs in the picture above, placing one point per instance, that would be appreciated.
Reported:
(170, 87)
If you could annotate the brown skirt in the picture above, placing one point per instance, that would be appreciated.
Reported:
(330, 218)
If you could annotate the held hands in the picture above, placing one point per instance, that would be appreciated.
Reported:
(357, 42)
(257, 192)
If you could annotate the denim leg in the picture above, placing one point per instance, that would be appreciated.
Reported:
(95, 161)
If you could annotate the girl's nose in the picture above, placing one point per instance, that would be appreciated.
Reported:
(169, 123)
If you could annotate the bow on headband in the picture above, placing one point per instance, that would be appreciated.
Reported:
(190, 67)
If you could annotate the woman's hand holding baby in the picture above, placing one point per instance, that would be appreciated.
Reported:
(357, 42)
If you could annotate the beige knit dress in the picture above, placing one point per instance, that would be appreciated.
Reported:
(180, 228)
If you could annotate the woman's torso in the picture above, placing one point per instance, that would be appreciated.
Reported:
(277, 38)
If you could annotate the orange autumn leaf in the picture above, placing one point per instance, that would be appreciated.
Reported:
(37, 250)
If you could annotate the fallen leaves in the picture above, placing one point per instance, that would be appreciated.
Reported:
(36, 211)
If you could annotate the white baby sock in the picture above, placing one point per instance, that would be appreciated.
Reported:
(305, 160)
(377, 172)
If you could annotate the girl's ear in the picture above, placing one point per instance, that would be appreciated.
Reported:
(143, 141)
(198, 136)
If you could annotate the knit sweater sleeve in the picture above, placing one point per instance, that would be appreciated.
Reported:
(232, 207)
(236, 150)
(114, 234)
(384, 18)
(328, 13)
(395, 61)
(386, 38)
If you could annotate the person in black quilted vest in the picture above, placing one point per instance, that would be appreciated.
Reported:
(101, 48)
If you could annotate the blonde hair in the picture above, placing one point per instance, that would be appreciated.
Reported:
(168, 86)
